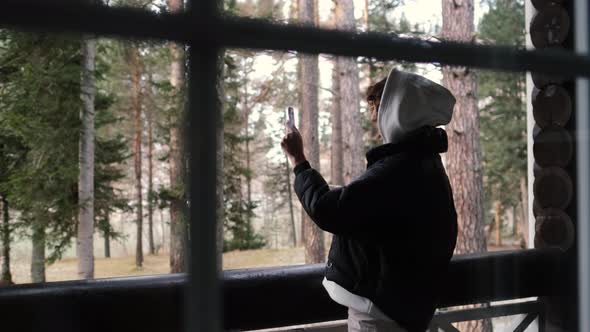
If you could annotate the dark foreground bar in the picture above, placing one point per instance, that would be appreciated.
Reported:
(253, 298)
(227, 31)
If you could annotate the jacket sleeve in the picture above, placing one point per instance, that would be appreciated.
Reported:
(342, 211)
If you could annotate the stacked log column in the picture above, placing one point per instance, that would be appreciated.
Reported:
(554, 205)
(553, 146)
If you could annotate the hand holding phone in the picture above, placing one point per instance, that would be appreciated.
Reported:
(290, 117)
(292, 143)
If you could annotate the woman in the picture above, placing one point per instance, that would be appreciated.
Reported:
(394, 226)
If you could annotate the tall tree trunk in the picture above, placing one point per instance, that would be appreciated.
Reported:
(162, 227)
(464, 156)
(294, 11)
(220, 207)
(150, 202)
(336, 153)
(498, 222)
(248, 169)
(352, 130)
(265, 9)
(366, 15)
(309, 71)
(219, 158)
(85, 241)
(513, 217)
(290, 202)
(276, 232)
(178, 208)
(6, 276)
(107, 238)
(136, 103)
(38, 254)
(336, 140)
(524, 220)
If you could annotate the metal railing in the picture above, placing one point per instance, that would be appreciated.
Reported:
(531, 309)
(264, 298)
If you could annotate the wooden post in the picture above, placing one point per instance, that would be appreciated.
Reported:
(553, 149)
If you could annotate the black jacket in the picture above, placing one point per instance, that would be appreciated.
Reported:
(394, 227)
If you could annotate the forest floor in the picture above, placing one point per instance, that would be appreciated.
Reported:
(65, 269)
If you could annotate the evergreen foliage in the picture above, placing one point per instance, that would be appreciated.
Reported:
(240, 234)
(503, 111)
(111, 152)
(40, 107)
(40, 121)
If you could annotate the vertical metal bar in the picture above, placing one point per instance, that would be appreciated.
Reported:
(583, 156)
(541, 320)
(530, 124)
(204, 303)
(204, 289)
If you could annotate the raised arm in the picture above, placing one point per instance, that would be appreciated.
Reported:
(371, 203)
(314, 193)
(332, 210)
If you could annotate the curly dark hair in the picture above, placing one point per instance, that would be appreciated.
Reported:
(374, 91)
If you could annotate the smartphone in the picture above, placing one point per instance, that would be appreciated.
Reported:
(290, 117)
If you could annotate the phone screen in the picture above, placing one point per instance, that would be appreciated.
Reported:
(290, 117)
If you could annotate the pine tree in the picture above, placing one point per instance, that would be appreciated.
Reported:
(349, 94)
(178, 207)
(503, 116)
(313, 237)
(239, 210)
(5, 275)
(464, 156)
(41, 106)
(85, 238)
(11, 154)
(111, 152)
(337, 141)
(135, 67)
(379, 15)
(40, 96)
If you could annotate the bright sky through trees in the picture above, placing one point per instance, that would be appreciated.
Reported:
(425, 13)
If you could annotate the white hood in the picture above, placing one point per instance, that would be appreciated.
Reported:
(409, 102)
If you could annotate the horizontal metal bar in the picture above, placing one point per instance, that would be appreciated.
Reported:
(80, 17)
(502, 275)
(260, 34)
(486, 312)
(255, 298)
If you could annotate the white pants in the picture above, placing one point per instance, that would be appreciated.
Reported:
(363, 322)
